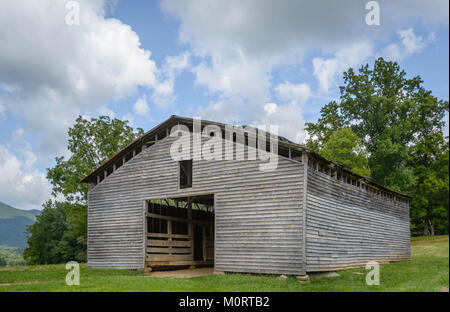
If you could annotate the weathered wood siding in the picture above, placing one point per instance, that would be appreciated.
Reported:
(348, 226)
(258, 215)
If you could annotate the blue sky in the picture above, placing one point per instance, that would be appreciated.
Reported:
(241, 62)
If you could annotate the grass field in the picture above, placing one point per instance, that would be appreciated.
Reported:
(428, 270)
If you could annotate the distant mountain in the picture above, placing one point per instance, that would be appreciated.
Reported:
(13, 223)
(34, 212)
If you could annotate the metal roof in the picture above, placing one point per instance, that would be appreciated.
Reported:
(282, 141)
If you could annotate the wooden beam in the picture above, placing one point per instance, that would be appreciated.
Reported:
(304, 207)
(191, 225)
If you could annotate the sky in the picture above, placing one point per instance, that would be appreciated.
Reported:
(239, 62)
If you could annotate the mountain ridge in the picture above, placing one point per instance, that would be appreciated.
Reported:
(13, 225)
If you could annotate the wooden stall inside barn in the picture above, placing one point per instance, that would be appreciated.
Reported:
(180, 231)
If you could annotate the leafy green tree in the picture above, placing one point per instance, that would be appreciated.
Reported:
(388, 112)
(330, 120)
(91, 142)
(2, 261)
(45, 236)
(430, 207)
(345, 147)
(400, 125)
(60, 232)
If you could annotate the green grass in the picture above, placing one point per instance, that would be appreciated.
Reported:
(428, 270)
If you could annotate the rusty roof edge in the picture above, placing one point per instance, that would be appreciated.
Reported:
(287, 143)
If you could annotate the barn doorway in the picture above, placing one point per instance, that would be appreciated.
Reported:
(179, 231)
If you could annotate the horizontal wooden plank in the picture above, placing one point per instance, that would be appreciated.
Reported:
(169, 257)
(174, 243)
(150, 235)
(169, 250)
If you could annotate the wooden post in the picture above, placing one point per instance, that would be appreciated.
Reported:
(204, 242)
(145, 232)
(190, 226)
(304, 208)
(169, 231)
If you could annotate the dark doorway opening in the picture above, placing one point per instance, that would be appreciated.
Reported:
(198, 242)
(180, 231)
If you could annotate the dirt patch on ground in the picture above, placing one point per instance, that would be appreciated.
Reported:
(183, 273)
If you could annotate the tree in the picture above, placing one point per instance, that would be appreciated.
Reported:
(431, 188)
(60, 232)
(91, 142)
(400, 125)
(330, 120)
(45, 240)
(345, 147)
(388, 112)
(2, 261)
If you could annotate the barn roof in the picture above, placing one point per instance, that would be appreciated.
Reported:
(282, 142)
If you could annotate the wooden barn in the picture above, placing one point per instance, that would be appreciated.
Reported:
(147, 210)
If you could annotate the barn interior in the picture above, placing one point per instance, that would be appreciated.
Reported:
(180, 232)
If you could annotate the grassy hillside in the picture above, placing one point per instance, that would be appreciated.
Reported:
(8, 212)
(428, 270)
(13, 223)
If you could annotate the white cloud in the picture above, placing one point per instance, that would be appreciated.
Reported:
(240, 44)
(288, 118)
(21, 185)
(270, 108)
(268, 29)
(409, 44)
(60, 71)
(18, 135)
(141, 106)
(2, 111)
(326, 70)
(293, 93)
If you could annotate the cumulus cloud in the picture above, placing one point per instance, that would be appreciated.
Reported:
(409, 44)
(21, 185)
(163, 93)
(288, 115)
(50, 72)
(2, 111)
(270, 108)
(326, 69)
(293, 93)
(241, 43)
(141, 107)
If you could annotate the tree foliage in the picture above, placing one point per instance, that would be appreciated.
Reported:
(60, 232)
(345, 147)
(91, 142)
(400, 125)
